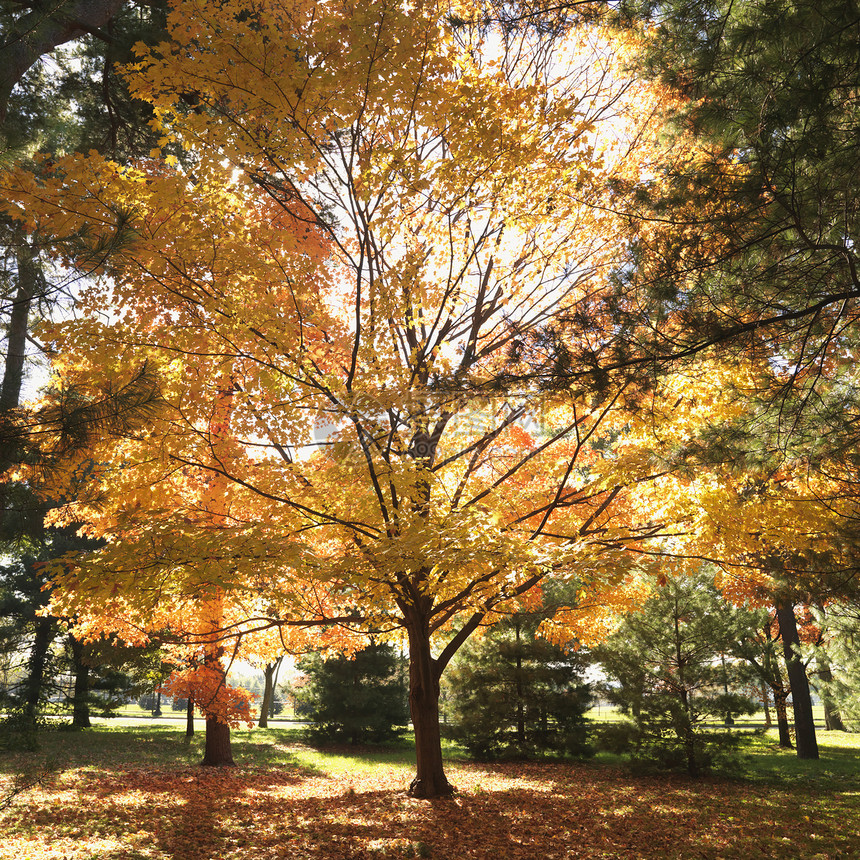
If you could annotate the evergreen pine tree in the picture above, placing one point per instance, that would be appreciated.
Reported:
(665, 666)
(513, 693)
(359, 699)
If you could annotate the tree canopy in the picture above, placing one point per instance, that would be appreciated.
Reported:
(436, 307)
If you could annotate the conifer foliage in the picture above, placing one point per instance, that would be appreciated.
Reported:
(513, 693)
(358, 698)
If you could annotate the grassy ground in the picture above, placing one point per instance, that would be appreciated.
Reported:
(137, 793)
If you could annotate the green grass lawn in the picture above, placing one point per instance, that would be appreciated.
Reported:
(119, 792)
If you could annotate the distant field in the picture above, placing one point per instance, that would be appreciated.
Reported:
(601, 713)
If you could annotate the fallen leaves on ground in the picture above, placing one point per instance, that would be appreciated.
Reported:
(510, 811)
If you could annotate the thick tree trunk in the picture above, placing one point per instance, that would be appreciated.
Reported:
(81, 705)
(804, 727)
(218, 752)
(430, 780)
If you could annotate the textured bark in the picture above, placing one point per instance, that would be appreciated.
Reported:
(780, 703)
(218, 752)
(773, 678)
(36, 667)
(804, 726)
(430, 780)
(268, 673)
(832, 719)
(267, 706)
(43, 29)
(16, 335)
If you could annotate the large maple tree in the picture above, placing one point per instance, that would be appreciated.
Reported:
(386, 219)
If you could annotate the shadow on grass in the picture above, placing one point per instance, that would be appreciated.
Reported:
(837, 768)
(108, 747)
(139, 790)
(552, 812)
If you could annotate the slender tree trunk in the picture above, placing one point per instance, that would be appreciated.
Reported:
(36, 667)
(780, 703)
(773, 678)
(16, 335)
(278, 663)
(430, 780)
(804, 726)
(684, 724)
(16, 349)
(189, 719)
(268, 672)
(728, 720)
(267, 706)
(832, 719)
(218, 751)
(80, 701)
(765, 700)
(521, 717)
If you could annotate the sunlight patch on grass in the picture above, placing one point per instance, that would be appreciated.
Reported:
(139, 795)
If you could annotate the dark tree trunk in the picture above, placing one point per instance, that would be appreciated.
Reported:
(765, 698)
(189, 719)
(267, 706)
(780, 703)
(521, 717)
(804, 727)
(268, 672)
(36, 666)
(16, 349)
(773, 677)
(832, 719)
(16, 336)
(430, 780)
(218, 752)
(80, 701)
(684, 721)
(41, 29)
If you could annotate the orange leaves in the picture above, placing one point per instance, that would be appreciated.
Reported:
(376, 237)
(349, 807)
(211, 693)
